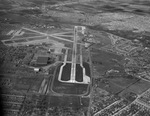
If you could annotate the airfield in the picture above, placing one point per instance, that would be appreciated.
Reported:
(72, 77)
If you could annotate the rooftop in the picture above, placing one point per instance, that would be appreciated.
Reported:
(42, 60)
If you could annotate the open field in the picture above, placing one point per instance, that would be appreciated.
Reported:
(110, 87)
(87, 69)
(69, 34)
(66, 37)
(69, 101)
(36, 38)
(66, 73)
(26, 35)
(7, 81)
(8, 42)
(124, 85)
(123, 82)
(79, 73)
(18, 41)
(69, 56)
(101, 37)
(28, 84)
(139, 87)
(106, 61)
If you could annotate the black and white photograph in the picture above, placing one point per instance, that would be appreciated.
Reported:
(74, 57)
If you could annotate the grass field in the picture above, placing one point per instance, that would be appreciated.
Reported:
(69, 56)
(79, 73)
(139, 87)
(68, 38)
(28, 84)
(123, 82)
(69, 101)
(26, 35)
(68, 34)
(110, 87)
(8, 42)
(7, 81)
(107, 62)
(36, 38)
(103, 39)
(125, 85)
(66, 72)
(119, 84)
(87, 69)
(21, 40)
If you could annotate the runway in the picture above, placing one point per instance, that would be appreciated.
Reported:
(74, 72)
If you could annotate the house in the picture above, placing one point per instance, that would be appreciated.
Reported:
(36, 69)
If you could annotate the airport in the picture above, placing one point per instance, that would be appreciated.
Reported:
(75, 71)
(73, 77)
